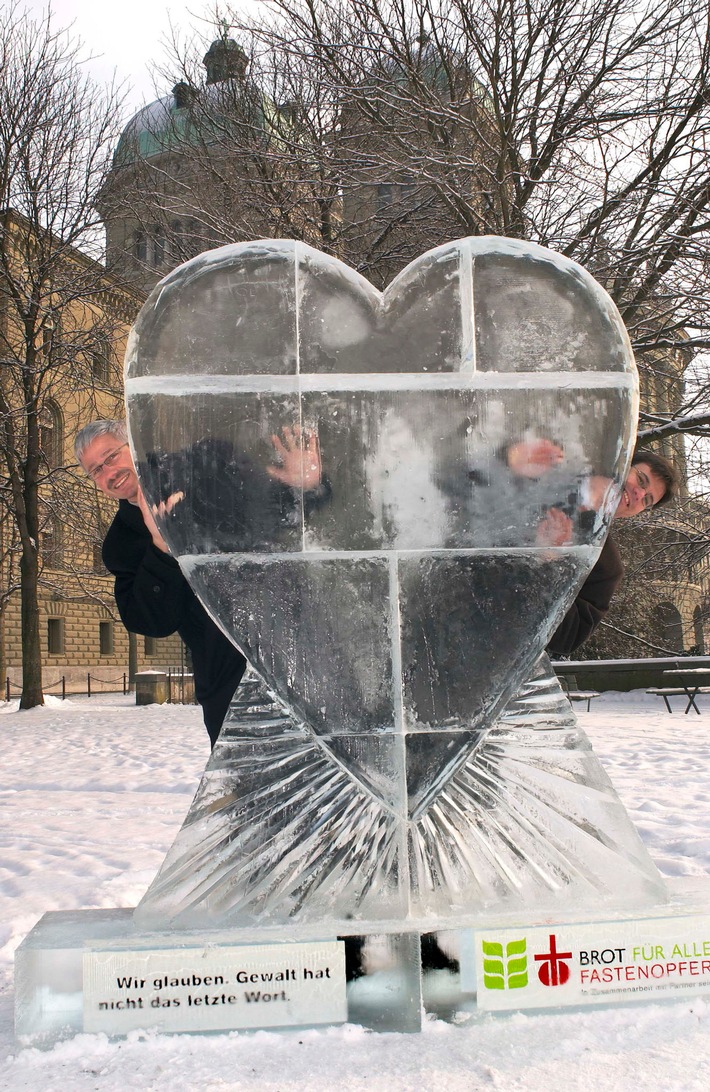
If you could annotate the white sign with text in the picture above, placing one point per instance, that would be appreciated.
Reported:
(559, 965)
(215, 988)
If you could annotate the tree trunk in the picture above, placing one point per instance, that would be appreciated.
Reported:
(31, 647)
(3, 653)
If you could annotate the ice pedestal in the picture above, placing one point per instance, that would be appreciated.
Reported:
(96, 970)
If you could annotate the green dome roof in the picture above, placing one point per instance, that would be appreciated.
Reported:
(156, 128)
(169, 123)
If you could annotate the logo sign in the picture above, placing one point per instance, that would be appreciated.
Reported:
(212, 989)
(556, 966)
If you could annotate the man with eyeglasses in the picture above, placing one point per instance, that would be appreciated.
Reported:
(152, 595)
(651, 482)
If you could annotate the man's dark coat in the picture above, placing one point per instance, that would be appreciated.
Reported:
(155, 599)
(591, 604)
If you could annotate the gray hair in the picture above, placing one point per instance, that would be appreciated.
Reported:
(93, 430)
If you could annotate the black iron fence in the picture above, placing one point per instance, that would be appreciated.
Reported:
(119, 683)
(181, 686)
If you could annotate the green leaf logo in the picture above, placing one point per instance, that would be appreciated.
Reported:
(505, 970)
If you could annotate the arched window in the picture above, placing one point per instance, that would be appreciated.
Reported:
(699, 631)
(158, 241)
(51, 434)
(149, 248)
(670, 625)
(177, 231)
(140, 247)
(101, 360)
(186, 239)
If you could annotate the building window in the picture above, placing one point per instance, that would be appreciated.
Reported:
(98, 560)
(106, 638)
(51, 434)
(195, 238)
(177, 251)
(149, 249)
(384, 195)
(670, 624)
(158, 240)
(185, 240)
(407, 187)
(55, 636)
(100, 362)
(52, 545)
(140, 247)
(699, 632)
(149, 646)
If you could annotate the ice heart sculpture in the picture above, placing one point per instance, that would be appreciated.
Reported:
(396, 596)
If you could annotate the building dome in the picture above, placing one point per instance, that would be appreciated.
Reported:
(167, 123)
(155, 129)
(154, 205)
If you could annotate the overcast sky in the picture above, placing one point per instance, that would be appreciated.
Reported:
(125, 36)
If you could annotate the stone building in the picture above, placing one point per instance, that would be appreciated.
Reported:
(419, 160)
(79, 358)
(193, 170)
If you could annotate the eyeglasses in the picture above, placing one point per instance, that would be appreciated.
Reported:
(110, 460)
(648, 500)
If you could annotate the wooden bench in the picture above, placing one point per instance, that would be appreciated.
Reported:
(667, 692)
(569, 685)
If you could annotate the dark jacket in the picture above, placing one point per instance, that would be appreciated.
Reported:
(591, 604)
(154, 598)
(230, 504)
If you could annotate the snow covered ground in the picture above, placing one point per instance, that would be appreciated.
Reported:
(91, 796)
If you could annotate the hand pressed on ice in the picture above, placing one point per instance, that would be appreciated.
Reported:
(533, 458)
(554, 529)
(163, 509)
(298, 453)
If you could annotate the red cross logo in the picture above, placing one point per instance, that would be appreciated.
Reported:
(554, 971)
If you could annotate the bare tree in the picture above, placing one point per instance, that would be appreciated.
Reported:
(583, 125)
(57, 312)
(9, 586)
(378, 129)
(580, 124)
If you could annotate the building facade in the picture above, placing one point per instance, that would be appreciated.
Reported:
(66, 372)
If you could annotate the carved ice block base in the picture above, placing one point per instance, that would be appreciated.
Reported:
(58, 994)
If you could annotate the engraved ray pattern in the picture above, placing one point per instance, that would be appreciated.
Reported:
(280, 830)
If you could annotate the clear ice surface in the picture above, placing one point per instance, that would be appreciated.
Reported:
(401, 750)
